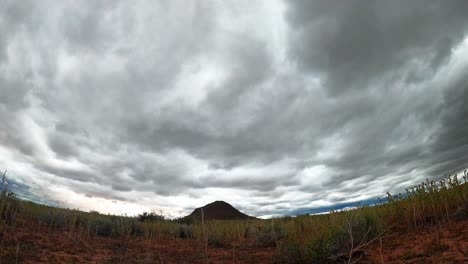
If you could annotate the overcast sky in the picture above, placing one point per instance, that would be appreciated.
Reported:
(272, 106)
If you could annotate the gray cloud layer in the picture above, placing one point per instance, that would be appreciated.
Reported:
(171, 105)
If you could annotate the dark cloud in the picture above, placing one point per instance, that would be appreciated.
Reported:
(451, 142)
(76, 174)
(355, 45)
(298, 105)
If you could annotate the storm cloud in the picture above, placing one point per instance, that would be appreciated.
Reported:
(277, 107)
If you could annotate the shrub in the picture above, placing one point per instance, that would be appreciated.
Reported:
(319, 249)
(290, 252)
(269, 235)
(215, 241)
(101, 226)
(56, 219)
(185, 231)
(150, 217)
(9, 207)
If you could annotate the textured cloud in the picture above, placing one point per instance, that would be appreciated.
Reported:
(276, 107)
(357, 45)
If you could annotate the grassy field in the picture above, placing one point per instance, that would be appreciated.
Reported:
(33, 233)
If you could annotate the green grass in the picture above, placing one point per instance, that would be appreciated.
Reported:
(333, 237)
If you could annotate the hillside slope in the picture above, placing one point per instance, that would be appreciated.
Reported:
(218, 210)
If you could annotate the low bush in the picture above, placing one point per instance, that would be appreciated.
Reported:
(101, 226)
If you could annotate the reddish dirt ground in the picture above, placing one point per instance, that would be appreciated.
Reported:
(63, 247)
(437, 244)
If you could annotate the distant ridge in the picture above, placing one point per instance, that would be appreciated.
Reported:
(218, 210)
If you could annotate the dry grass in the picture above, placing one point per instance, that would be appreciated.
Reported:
(336, 237)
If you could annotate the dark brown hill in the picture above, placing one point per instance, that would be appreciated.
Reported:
(218, 210)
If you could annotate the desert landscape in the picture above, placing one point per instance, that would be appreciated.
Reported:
(234, 131)
(428, 224)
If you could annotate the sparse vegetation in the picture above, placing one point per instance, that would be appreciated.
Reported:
(337, 237)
